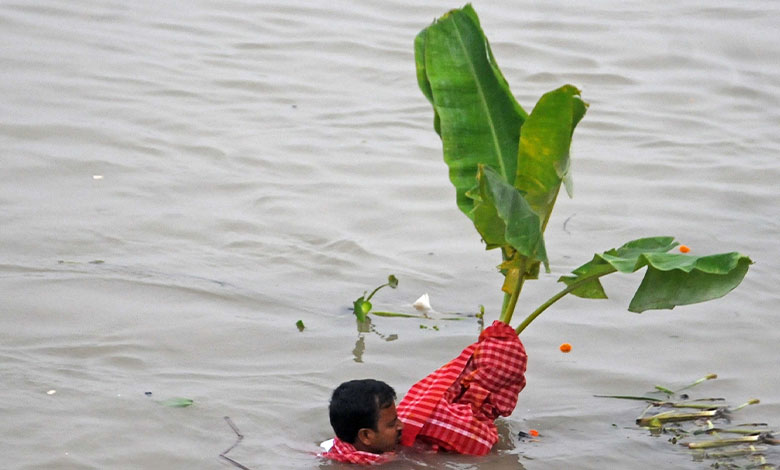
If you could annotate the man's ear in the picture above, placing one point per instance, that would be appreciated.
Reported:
(366, 436)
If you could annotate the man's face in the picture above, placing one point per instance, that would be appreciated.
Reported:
(388, 433)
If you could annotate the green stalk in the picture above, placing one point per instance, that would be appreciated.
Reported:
(375, 291)
(505, 303)
(697, 382)
(749, 432)
(556, 298)
(752, 401)
(632, 397)
(505, 256)
(723, 442)
(509, 308)
(671, 416)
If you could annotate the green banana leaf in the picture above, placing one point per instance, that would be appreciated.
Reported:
(507, 217)
(545, 139)
(624, 259)
(475, 114)
(671, 279)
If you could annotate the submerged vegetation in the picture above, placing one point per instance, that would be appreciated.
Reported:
(508, 167)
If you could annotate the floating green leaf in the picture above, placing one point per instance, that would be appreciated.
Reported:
(361, 307)
(392, 281)
(177, 402)
(300, 325)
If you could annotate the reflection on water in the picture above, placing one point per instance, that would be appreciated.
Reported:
(364, 327)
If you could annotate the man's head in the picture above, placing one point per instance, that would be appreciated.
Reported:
(362, 413)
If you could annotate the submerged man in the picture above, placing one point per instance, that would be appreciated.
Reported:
(364, 418)
(452, 409)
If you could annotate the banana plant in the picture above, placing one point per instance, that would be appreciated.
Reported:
(508, 167)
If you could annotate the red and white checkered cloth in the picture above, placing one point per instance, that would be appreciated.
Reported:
(346, 452)
(454, 407)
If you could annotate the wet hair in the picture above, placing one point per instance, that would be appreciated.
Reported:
(356, 404)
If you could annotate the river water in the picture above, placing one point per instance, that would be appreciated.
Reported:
(183, 181)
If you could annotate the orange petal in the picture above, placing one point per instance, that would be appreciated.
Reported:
(565, 347)
(684, 249)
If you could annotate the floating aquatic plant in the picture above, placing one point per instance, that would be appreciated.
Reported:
(177, 402)
(362, 305)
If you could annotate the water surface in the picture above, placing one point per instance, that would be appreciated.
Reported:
(182, 181)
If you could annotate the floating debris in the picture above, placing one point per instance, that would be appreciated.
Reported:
(733, 446)
(531, 435)
(423, 304)
(177, 402)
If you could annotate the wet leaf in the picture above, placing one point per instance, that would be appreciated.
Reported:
(503, 217)
(543, 155)
(671, 279)
(361, 307)
(300, 325)
(624, 259)
(177, 402)
(475, 113)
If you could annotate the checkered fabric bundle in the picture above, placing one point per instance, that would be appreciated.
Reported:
(346, 452)
(454, 407)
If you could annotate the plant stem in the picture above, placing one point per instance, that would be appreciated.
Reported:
(509, 308)
(556, 298)
(505, 303)
(697, 382)
(505, 256)
(375, 290)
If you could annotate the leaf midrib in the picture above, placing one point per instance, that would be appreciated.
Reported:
(481, 94)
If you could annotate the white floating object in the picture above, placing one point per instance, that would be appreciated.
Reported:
(97, 177)
(51, 392)
(326, 445)
(423, 304)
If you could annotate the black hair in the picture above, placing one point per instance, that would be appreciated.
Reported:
(356, 404)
